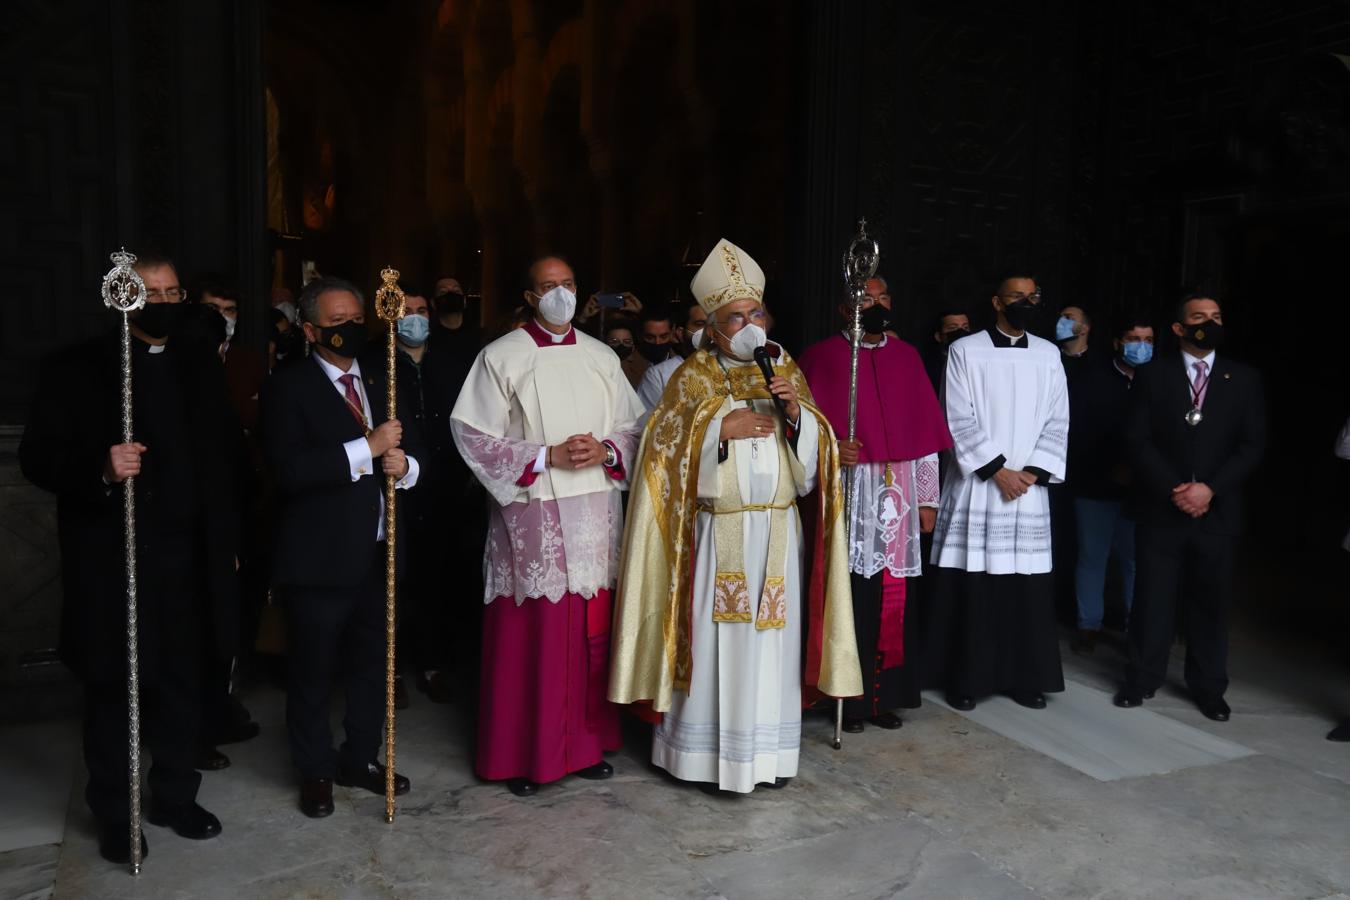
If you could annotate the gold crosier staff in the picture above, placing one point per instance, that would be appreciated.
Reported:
(124, 292)
(860, 264)
(390, 306)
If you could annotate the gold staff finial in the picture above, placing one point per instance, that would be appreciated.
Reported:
(390, 303)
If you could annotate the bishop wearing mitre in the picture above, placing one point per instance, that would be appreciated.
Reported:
(718, 625)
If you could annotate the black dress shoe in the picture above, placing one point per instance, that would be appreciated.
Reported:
(238, 733)
(961, 702)
(114, 843)
(189, 821)
(316, 797)
(372, 779)
(1084, 643)
(852, 725)
(778, 784)
(1033, 700)
(1213, 708)
(209, 759)
(401, 699)
(1128, 698)
(436, 686)
(522, 787)
(1340, 733)
(598, 772)
(887, 720)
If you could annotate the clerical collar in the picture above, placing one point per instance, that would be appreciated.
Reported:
(545, 338)
(866, 346)
(1002, 339)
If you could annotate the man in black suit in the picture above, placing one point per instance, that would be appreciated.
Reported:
(182, 457)
(1197, 430)
(329, 443)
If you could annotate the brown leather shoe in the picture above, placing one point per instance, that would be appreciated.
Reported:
(316, 797)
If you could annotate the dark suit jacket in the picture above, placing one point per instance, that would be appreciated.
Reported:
(326, 525)
(75, 418)
(1222, 451)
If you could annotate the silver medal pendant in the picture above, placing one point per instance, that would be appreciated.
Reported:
(1194, 417)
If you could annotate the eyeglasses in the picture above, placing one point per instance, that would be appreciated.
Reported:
(173, 295)
(1017, 297)
(755, 317)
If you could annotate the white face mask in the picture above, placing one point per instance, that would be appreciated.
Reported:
(229, 328)
(745, 342)
(558, 306)
(696, 338)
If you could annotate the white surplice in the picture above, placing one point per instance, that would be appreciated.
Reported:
(559, 534)
(1009, 401)
(740, 724)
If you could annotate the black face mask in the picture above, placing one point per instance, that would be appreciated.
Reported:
(876, 319)
(346, 340)
(449, 303)
(955, 335)
(157, 320)
(1205, 335)
(1022, 315)
(653, 353)
(623, 351)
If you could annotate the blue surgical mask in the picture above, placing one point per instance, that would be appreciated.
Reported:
(413, 329)
(1136, 353)
(1064, 329)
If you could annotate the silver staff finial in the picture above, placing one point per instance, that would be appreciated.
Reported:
(123, 289)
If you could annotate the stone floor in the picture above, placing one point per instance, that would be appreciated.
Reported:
(944, 808)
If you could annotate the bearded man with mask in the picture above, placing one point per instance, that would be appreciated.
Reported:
(548, 424)
(330, 444)
(892, 470)
(1197, 430)
(991, 625)
(187, 511)
(715, 612)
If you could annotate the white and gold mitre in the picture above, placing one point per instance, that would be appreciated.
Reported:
(728, 274)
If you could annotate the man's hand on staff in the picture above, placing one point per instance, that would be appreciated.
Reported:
(123, 462)
(394, 462)
(745, 423)
(848, 452)
(388, 436)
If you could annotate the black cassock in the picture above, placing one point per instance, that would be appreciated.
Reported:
(187, 528)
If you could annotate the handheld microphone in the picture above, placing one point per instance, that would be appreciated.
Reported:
(765, 366)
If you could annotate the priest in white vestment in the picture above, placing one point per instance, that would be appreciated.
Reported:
(719, 625)
(991, 628)
(548, 423)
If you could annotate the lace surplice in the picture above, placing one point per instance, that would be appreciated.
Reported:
(542, 548)
(884, 531)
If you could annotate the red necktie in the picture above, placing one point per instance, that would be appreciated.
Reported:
(348, 382)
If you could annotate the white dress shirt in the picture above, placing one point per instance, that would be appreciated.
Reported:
(359, 460)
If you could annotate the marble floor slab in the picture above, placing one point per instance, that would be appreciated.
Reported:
(945, 808)
(1080, 727)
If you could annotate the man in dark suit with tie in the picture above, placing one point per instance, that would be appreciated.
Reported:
(329, 443)
(1197, 430)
